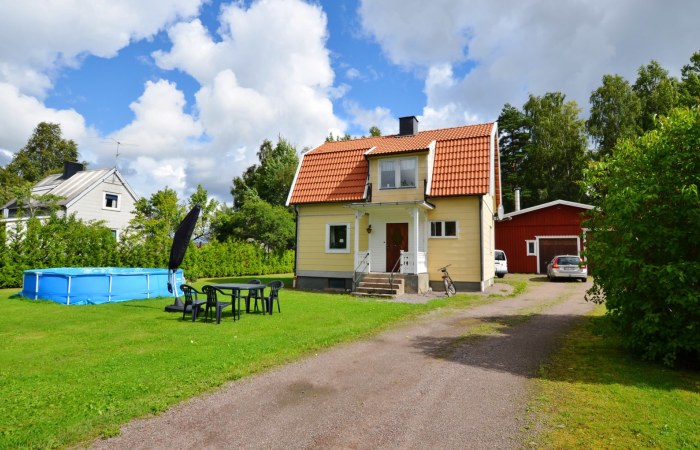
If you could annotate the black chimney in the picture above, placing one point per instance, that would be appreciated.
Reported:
(70, 168)
(408, 126)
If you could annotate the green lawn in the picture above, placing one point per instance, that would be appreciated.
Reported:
(72, 373)
(69, 374)
(593, 395)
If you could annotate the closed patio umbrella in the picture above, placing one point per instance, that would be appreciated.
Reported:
(181, 240)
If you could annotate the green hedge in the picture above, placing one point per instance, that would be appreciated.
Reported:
(70, 242)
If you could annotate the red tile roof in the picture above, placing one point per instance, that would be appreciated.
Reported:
(338, 171)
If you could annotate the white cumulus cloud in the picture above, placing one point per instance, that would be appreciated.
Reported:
(477, 55)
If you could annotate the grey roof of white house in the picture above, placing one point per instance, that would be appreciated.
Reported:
(73, 188)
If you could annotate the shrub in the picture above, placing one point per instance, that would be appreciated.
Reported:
(644, 241)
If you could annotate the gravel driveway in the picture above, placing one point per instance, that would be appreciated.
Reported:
(417, 386)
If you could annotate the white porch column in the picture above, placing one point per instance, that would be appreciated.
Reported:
(416, 239)
(357, 234)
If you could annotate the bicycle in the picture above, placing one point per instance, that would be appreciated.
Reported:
(450, 289)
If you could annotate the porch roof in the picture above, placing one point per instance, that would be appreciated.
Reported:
(368, 205)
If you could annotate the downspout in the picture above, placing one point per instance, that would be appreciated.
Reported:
(481, 242)
(296, 242)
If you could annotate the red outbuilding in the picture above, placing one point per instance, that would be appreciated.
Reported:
(530, 237)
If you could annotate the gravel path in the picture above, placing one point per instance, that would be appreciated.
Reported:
(418, 386)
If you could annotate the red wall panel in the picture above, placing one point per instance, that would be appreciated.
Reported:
(511, 235)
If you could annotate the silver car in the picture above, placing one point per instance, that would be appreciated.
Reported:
(567, 266)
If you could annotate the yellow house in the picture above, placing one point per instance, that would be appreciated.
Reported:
(405, 204)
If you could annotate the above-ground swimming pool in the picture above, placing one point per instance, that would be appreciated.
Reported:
(93, 285)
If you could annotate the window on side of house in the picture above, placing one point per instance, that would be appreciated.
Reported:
(337, 238)
(530, 248)
(397, 173)
(443, 229)
(111, 201)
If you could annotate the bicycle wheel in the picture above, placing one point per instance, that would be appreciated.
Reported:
(450, 289)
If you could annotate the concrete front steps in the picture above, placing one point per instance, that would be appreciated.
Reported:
(377, 285)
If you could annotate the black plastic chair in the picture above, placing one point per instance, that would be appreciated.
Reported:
(192, 301)
(275, 287)
(256, 294)
(214, 305)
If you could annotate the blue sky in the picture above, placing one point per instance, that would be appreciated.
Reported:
(190, 88)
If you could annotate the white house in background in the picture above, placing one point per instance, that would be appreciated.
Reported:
(101, 194)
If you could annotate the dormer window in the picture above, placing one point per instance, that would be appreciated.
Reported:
(398, 173)
(111, 201)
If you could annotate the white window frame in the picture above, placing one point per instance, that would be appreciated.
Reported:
(119, 201)
(442, 229)
(397, 172)
(532, 243)
(347, 238)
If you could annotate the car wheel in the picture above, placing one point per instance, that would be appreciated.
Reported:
(500, 275)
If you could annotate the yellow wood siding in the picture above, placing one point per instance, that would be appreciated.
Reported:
(311, 246)
(399, 194)
(463, 252)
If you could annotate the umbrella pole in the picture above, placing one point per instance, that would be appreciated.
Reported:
(178, 306)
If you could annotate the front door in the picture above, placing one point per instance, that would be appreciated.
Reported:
(396, 240)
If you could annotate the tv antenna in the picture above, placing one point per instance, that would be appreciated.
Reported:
(119, 143)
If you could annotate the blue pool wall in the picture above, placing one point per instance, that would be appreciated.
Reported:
(96, 285)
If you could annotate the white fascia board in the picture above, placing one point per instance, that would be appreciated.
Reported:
(494, 142)
(547, 205)
(294, 181)
(431, 164)
(492, 160)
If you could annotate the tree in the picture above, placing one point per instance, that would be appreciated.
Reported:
(556, 151)
(332, 138)
(657, 92)
(203, 231)
(615, 111)
(543, 150)
(374, 131)
(644, 241)
(270, 225)
(276, 173)
(148, 238)
(690, 81)
(272, 179)
(45, 152)
(157, 216)
(512, 143)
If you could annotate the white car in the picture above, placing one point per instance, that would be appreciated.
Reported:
(501, 264)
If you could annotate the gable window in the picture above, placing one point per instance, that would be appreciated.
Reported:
(111, 201)
(397, 173)
(445, 228)
(530, 248)
(337, 238)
